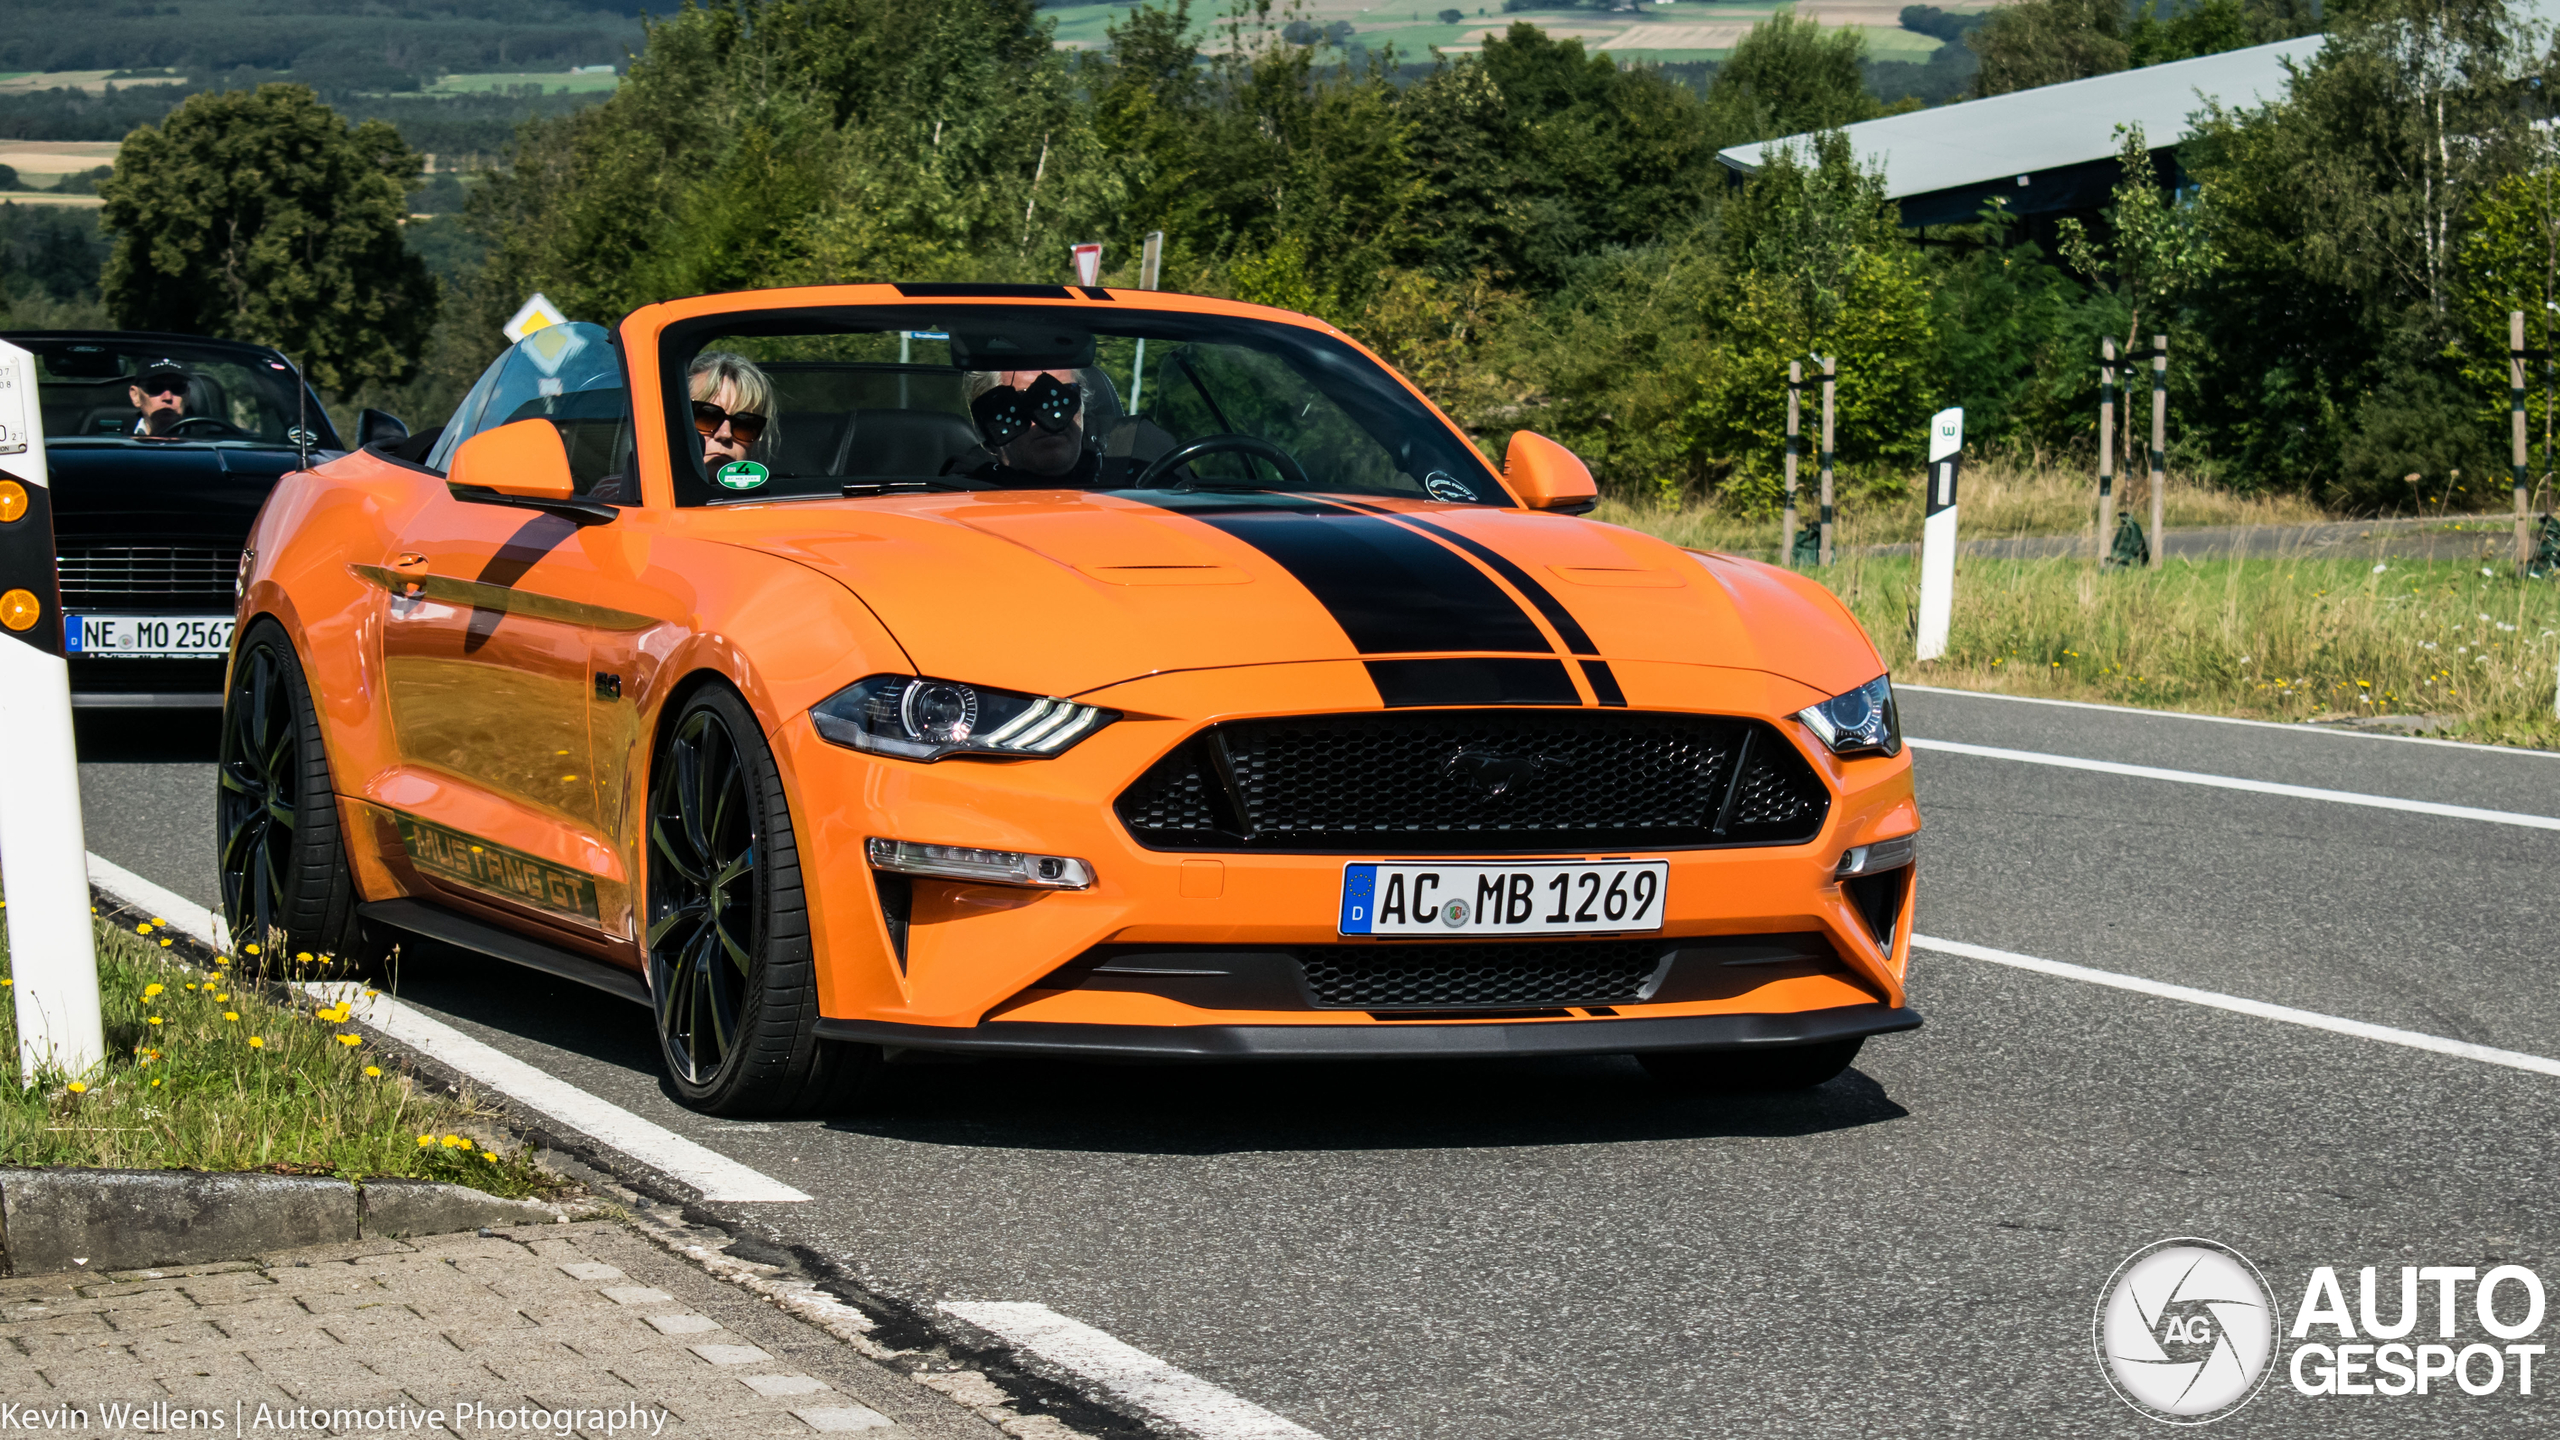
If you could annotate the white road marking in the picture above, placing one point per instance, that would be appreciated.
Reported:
(716, 1175)
(184, 916)
(2228, 782)
(2310, 1019)
(2294, 727)
(1170, 1394)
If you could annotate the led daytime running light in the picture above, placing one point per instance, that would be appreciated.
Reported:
(983, 867)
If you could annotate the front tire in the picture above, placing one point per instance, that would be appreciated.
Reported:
(1730, 1072)
(732, 971)
(286, 885)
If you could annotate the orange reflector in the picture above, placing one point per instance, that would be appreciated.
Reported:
(13, 500)
(20, 610)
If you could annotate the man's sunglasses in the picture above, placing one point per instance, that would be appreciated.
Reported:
(747, 426)
(164, 385)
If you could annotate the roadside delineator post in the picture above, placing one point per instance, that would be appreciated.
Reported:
(2515, 408)
(1795, 442)
(2106, 447)
(1830, 370)
(44, 857)
(1150, 266)
(2159, 451)
(1938, 534)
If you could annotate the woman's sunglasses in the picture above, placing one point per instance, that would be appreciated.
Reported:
(747, 426)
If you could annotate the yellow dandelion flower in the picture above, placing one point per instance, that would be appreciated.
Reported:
(230, 1014)
(219, 999)
(489, 1155)
(156, 920)
(5, 983)
(166, 943)
(155, 1084)
(257, 1043)
(373, 1070)
(79, 1089)
(249, 949)
(142, 929)
(150, 990)
(303, 958)
(350, 1039)
(191, 984)
(425, 1140)
(155, 1019)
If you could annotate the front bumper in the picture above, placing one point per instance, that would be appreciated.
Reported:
(1405, 1041)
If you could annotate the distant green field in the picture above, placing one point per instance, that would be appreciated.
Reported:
(1686, 31)
(552, 82)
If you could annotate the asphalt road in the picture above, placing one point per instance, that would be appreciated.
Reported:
(1558, 1249)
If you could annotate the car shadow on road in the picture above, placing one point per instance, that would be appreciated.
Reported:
(1434, 1105)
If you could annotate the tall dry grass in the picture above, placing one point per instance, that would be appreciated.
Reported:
(2003, 498)
(2290, 637)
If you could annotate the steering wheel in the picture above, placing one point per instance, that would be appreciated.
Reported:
(1191, 450)
(212, 425)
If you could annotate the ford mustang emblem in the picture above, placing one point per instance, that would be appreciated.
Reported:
(1492, 775)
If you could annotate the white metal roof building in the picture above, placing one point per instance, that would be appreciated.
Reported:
(2050, 148)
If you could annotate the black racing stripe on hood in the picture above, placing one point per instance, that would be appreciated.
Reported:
(1604, 685)
(1392, 591)
(1472, 680)
(1568, 629)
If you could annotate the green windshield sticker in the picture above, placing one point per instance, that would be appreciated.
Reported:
(742, 475)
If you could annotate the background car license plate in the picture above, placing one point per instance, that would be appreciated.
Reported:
(205, 636)
(1568, 898)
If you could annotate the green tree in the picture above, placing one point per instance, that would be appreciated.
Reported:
(1817, 266)
(2046, 42)
(2154, 252)
(261, 215)
(1789, 77)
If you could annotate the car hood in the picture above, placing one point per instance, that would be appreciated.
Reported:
(1064, 592)
(128, 489)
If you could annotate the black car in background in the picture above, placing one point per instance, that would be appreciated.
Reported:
(149, 528)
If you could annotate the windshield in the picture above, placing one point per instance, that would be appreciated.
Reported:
(162, 390)
(568, 374)
(798, 403)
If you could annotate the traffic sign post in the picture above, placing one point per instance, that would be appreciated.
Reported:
(1938, 534)
(537, 313)
(1795, 443)
(1088, 264)
(44, 858)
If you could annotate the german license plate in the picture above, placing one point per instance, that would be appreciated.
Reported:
(193, 636)
(1602, 897)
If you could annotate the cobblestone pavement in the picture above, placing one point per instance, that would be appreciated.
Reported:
(491, 1330)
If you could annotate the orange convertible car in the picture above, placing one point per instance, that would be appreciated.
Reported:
(1035, 670)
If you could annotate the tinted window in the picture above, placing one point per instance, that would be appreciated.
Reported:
(233, 393)
(568, 374)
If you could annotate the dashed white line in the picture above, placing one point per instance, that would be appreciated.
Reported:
(2231, 782)
(1155, 1386)
(2294, 727)
(716, 1175)
(2310, 1019)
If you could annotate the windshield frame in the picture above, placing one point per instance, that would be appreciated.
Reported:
(887, 309)
(313, 415)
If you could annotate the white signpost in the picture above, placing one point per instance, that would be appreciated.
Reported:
(44, 858)
(1938, 533)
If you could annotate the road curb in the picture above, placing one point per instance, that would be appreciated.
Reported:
(58, 1220)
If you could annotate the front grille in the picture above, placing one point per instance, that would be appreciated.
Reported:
(1478, 781)
(149, 577)
(1502, 976)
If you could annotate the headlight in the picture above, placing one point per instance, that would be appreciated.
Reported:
(1862, 722)
(921, 719)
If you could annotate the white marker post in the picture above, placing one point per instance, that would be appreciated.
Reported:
(44, 858)
(1938, 533)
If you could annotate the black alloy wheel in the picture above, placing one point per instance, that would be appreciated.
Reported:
(286, 885)
(1734, 1072)
(732, 971)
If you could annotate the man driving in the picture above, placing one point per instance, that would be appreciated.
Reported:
(1033, 422)
(160, 394)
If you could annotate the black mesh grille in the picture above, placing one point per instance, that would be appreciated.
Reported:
(149, 577)
(1537, 973)
(1468, 781)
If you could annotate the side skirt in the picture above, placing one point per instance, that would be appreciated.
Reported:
(416, 917)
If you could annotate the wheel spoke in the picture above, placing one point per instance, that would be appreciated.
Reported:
(662, 842)
(690, 911)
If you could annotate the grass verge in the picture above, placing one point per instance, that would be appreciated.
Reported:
(206, 1074)
(2282, 638)
(2002, 499)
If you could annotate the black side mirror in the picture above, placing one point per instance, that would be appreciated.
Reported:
(373, 426)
